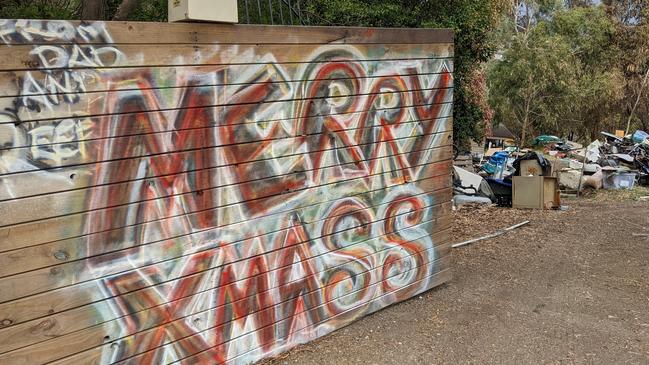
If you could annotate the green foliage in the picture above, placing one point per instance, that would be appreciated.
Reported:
(631, 19)
(151, 11)
(148, 11)
(271, 12)
(590, 35)
(558, 77)
(38, 9)
(473, 21)
(375, 13)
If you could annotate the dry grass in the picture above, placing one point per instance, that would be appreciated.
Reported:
(639, 193)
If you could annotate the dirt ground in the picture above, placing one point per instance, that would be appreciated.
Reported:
(572, 287)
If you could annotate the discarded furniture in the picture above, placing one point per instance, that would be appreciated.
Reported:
(531, 168)
(535, 192)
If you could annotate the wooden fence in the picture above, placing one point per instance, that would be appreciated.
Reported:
(214, 194)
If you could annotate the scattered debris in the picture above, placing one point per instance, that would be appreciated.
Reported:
(468, 184)
(594, 181)
(617, 161)
(459, 200)
(619, 180)
(492, 235)
(502, 191)
(570, 179)
(465, 162)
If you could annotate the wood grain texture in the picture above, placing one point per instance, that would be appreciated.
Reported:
(154, 110)
(66, 32)
(23, 191)
(192, 193)
(442, 264)
(48, 230)
(33, 332)
(29, 258)
(68, 302)
(76, 292)
(93, 151)
(59, 204)
(37, 281)
(15, 78)
(97, 57)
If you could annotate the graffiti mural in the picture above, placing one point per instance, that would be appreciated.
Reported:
(183, 203)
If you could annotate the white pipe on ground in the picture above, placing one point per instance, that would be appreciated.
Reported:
(493, 235)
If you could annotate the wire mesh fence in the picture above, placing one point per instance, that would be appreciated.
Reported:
(275, 12)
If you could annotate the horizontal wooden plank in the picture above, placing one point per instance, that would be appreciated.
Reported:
(29, 31)
(92, 357)
(19, 185)
(141, 175)
(44, 206)
(33, 257)
(78, 177)
(63, 299)
(268, 131)
(82, 318)
(14, 287)
(154, 225)
(393, 293)
(138, 105)
(165, 78)
(264, 98)
(155, 143)
(15, 236)
(440, 210)
(165, 254)
(51, 254)
(109, 241)
(150, 320)
(387, 299)
(292, 182)
(102, 127)
(96, 328)
(48, 57)
(402, 134)
(72, 88)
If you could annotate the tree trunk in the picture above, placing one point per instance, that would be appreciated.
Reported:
(529, 20)
(524, 131)
(92, 10)
(517, 6)
(526, 122)
(637, 101)
(126, 8)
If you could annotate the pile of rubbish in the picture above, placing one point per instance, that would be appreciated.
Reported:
(627, 155)
(508, 176)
